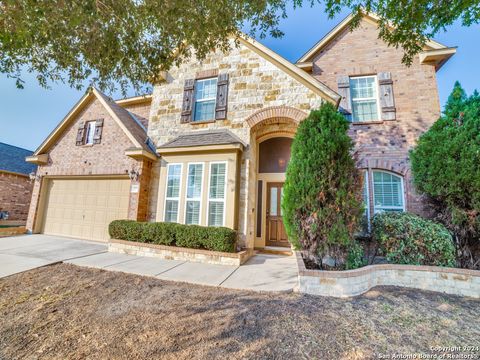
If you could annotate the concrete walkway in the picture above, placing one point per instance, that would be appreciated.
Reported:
(26, 252)
(260, 273)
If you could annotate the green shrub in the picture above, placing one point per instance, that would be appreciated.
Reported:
(446, 168)
(189, 236)
(159, 233)
(322, 201)
(192, 236)
(126, 230)
(355, 257)
(406, 238)
(118, 229)
(221, 239)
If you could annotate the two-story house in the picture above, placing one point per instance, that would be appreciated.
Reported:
(211, 145)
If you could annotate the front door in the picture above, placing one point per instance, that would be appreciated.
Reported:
(276, 234)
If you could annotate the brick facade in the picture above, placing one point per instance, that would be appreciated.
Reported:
(15, 194)
(265, 99)
(105, 159)
(141, 112)
(384, 144)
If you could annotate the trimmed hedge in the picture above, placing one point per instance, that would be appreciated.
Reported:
(406, 238)
(172, 234)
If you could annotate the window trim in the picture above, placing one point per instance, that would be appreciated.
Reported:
(377, 98)
(224, 192)
(87, 132)
(402, 189)
(195, 100)
(366, 185)
(186, 199)
(171, 198)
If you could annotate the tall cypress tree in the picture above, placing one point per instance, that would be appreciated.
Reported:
(322, 200)
(446, 168)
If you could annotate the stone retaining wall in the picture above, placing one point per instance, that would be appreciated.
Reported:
(179, 253)
(355, 282)
(11, 231)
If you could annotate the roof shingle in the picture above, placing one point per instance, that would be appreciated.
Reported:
(12, 158)
(204, 138)
(132, 124)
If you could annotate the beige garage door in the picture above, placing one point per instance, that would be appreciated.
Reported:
(83, 208)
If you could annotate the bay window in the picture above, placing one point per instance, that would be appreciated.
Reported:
(193, 193)
(172, 198)
(217, 194)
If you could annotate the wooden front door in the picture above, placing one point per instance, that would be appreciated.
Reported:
(276, 234)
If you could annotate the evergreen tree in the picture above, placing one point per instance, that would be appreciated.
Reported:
(446, 167)
(456, 101)
(322, 200)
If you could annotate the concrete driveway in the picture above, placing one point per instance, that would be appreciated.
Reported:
(260, 273)
(21, 253)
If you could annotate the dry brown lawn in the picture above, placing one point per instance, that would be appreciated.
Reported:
(68, 312)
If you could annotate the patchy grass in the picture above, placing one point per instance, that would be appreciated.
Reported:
(64, 311)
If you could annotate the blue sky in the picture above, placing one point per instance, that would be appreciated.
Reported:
(27, 116)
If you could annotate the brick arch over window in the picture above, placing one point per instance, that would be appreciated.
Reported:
(399, 168)
(278, 113)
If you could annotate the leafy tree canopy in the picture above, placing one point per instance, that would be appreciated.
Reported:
(128, 42)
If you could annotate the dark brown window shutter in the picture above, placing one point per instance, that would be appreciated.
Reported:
(188, 101)
(97, 137)
(387, 102)
(222, 97)
(80, 133)
(344, 91)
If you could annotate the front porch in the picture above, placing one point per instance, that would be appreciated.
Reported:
(271, 137)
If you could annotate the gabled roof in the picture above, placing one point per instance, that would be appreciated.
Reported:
(203, 138)
(286, 66)
(372, 18)
(134, 100)
(12, 159)
(127, 122)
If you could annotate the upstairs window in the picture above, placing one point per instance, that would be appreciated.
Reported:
(364, 96)
(90, 128)
(387, 192)
(205, 98)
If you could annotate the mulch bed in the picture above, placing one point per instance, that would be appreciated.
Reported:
(68, 312)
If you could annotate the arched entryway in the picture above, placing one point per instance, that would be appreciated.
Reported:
(273, 157)
(271, 134)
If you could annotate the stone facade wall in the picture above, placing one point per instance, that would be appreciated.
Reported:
(15, 195)
(254, 84)
(384, 144)
(106, 158)
(355, 282)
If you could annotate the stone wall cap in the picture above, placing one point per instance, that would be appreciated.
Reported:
(179, 249)
(303, 271)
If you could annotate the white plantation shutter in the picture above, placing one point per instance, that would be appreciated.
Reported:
(216, 194)
(172, 198)
(194, 194)
(387, 192)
